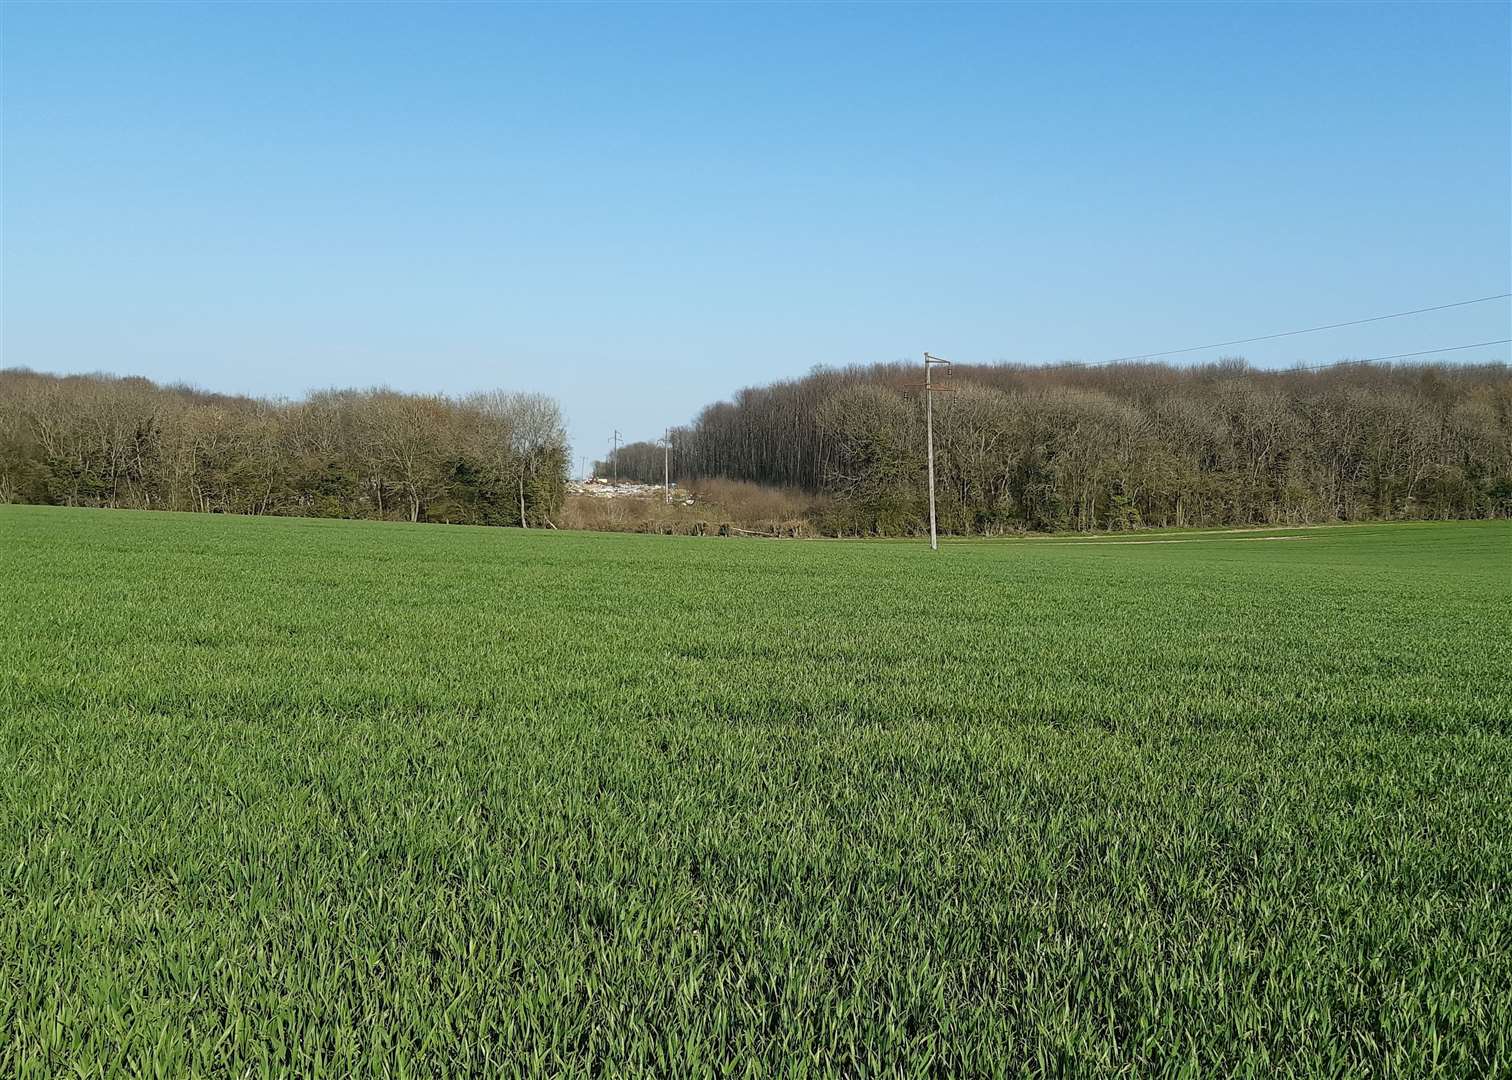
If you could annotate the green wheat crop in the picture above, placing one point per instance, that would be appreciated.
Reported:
(302, 797)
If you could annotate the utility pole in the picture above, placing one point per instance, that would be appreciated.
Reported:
(614, 455)
(931, 388)
(667, 466)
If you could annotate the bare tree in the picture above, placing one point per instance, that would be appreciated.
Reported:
(1019, 447)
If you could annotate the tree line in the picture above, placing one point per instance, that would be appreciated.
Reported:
(493, 458)
(1115, 447)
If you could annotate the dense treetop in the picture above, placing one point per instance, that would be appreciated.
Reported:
(1118, 446)
(1057, 447)
(94, 440)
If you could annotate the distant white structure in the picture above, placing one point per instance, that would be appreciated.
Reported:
(600, 488)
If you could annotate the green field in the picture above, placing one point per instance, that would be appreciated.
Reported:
(292, 796)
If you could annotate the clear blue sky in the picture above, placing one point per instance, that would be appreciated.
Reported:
(640, 209)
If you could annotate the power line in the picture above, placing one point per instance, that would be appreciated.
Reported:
(1305, 330)
(1394, 356)
(1319, 367)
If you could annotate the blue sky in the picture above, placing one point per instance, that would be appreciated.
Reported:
(641, 208)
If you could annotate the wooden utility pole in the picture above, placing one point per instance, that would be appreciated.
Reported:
(931, 388)
(667, 466)
(614, 455)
